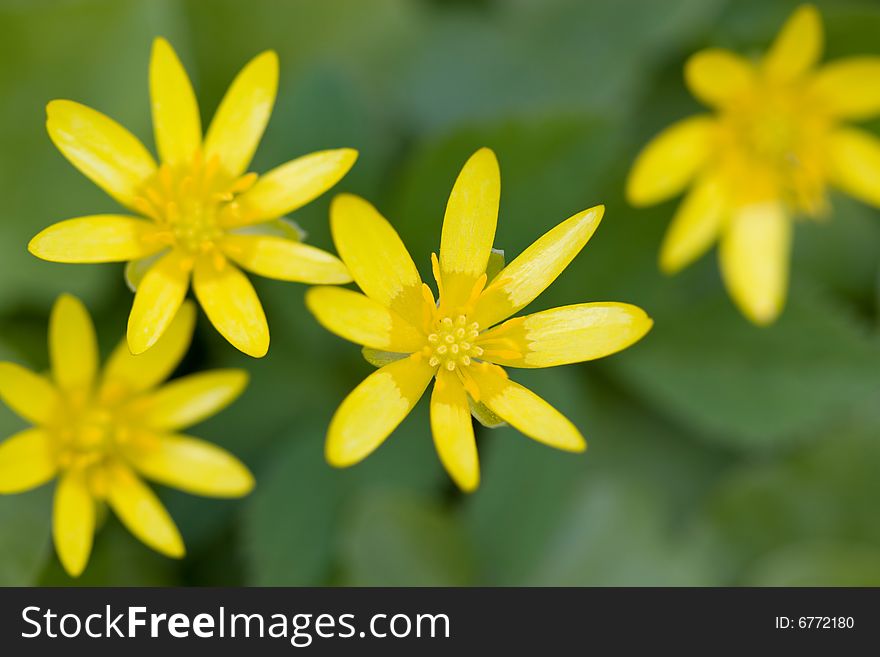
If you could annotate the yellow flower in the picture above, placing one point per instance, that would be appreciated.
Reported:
(99, 432)
(453, 340)
(768, 153)
(199, 213)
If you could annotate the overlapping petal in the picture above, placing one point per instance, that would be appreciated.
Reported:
(176, 122)
(97, 238)
(191, 399)
(453, 431)
(73, 347)
(284, 259)
(157, 300)
(26, 461)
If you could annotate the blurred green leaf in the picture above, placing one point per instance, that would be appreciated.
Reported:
(818, 564)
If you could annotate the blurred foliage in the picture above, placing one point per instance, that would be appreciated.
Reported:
(720, 453)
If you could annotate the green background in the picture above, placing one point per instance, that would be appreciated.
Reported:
(720, 453)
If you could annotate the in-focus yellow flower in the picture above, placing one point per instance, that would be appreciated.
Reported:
(99, 432)
(767, 154)
(453, 340)
(199, 212)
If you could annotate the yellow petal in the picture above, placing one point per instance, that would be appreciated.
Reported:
(29, 395)
(376, 257)
(73, 347)
(112, 157)
(157, 300)
(670, 161)
(537, 267)
(797, 47)
(854, 164)
(848, 87)
(453, 431)
(754, 254)
(469, 226)
(142, 513)
(73, 522)
(136, 373)
(135, 270)
(292, 185)
(241, 119)
(98, 238)
(524, 410)
(176, 123)
(27, 460)
(232, 305)
(374, 409)
(194, 466)
(695, 226)
(717, 77)
(362, 320)
(191, 399)
(284, 259)
(570, 334)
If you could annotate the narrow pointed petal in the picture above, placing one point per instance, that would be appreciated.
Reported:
(292, 185)
(374, 409)
(27, 460)
(194, 466)
(536, 268)
(453, 431)
(98, 238)
(854, 164)
(670, 161)
(798, 46)
(29, 395)
(73, 522)
(570, 334)
(356, 317)
(104, 151)
(284, 259)
(695, 226)
(376, 257)
(157, 300)
(754, 256)
(241, 119)
(191, 399)
(524, 410)
(73, 347)
(176, 123)
(847, 87)
(232, 305)
(717, 77)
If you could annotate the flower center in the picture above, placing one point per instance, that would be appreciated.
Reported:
(451, 344)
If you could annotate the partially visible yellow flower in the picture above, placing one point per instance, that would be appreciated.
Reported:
(99, 432)
(767, 154)
(453, 340)
(198, 213)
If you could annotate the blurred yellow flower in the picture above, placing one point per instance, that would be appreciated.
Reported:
(768, 153)
(99, 432)
(452, 340)
(200, 214)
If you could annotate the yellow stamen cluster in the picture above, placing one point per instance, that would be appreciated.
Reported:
(451, 344)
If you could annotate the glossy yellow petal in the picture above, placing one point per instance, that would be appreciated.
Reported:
(176, 123)
(73, 347)
(717, 77)
(157, 300)
(798, 46)
(362, 320)
(376, 257)
(73, 522)
(232, 305)
(132, 373)
(98, 238)
(27, 460)
(29, 395)
(241, 119)
(292, 185)
(695, 226)
(524, 410)
(537, 267)
(374, 409)
(570, 334)
(469, 226)
(848, 87)
(754, 255)
(453, 431)
(854, 164)
(284, 259)
(142, 513)
(112, 157)
(194, 466)
(135, 270)
(191, 399)
(670, 161)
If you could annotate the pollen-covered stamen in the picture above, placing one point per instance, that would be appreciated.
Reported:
(451, 343)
